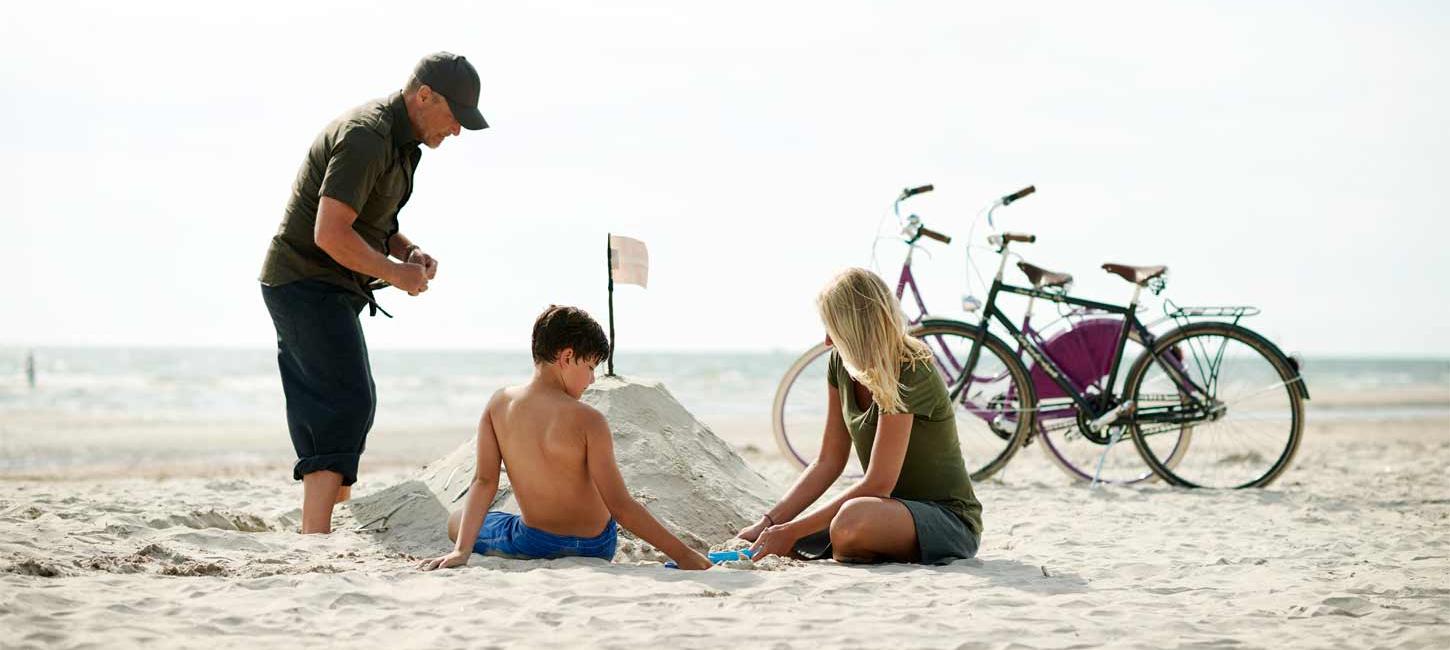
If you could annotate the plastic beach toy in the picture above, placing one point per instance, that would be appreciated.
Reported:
(719, 557)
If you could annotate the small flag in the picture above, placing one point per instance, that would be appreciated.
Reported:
(628, 261)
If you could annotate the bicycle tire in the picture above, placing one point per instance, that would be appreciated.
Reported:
(1276, 387)
(777, 409)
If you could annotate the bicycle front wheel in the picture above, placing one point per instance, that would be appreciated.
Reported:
(1216, 406)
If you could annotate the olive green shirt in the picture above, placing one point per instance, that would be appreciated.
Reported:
(933, 469)
(366, 159)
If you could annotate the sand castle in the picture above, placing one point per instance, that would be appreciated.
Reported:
(687, 476)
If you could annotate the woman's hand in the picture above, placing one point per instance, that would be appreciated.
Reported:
(450, 560)
(752, 532)
(775, 540)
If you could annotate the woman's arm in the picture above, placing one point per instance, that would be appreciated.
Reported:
(817, 477)
(480, 497)
(893, 432)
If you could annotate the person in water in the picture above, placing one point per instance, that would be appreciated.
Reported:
(559, 455)
(885, 398)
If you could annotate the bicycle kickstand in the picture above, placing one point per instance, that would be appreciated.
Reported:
(1114, 436)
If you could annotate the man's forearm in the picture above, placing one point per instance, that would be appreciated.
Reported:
(349, 250)
(398, 246)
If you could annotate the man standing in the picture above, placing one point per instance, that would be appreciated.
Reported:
(333, 249)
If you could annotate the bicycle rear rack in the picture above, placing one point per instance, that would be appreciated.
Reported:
(1182, 315)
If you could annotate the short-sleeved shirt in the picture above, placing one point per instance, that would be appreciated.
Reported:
(366, 159)
(933, 469)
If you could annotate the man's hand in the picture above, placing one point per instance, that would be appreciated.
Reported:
(450, 560)
(775, 540)
(410, 277)
(429, 264)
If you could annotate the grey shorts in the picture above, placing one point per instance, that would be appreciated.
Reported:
(941, 536)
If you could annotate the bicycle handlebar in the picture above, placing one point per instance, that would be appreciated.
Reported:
(943, 238)
(913, 191)
(1010, 198)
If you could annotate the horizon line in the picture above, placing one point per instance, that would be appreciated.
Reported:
(1383, 356)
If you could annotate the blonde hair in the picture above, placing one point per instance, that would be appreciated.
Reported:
(866, 324)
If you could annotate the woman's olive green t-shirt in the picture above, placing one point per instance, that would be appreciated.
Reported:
(933, 469)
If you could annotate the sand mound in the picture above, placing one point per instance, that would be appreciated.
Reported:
(690, 479)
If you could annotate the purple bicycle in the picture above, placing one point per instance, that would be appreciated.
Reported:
(1063, 386)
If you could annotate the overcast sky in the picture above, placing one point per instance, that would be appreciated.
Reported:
(1291, 155)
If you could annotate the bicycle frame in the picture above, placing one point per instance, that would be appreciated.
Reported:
(1029, 342)
(907, 281)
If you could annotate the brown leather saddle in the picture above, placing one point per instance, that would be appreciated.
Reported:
(1042, 278)
(1135, 274)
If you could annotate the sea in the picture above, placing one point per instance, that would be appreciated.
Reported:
(449, 386)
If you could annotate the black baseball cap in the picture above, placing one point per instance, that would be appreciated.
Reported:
(453, 77)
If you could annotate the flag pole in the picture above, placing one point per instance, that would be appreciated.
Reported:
(609, 263)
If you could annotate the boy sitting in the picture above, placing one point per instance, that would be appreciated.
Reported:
(559, 455)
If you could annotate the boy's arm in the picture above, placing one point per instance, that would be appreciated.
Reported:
(480, 495)
(604, 472)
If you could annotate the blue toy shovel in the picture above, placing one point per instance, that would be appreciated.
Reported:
(719, 557)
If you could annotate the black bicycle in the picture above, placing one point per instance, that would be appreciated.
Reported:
(1209, 403)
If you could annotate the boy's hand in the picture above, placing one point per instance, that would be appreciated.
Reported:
(693, 562)
(453, 559)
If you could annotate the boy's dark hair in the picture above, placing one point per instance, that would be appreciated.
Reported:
(568, 327)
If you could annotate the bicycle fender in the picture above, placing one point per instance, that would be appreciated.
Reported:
(1289, 361)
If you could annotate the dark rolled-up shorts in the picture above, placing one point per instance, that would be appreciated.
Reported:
(941, 536)
(326, 376)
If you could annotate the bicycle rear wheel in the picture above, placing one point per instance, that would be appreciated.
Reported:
(1224, 393)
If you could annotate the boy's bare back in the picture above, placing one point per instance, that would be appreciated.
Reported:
(542, 438)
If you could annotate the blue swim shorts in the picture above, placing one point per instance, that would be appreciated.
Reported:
(505, 534)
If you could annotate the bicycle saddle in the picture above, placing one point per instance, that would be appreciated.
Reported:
(1135, 274)
(1042, 278)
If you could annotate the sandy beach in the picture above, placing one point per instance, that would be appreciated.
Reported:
(1350, 549)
